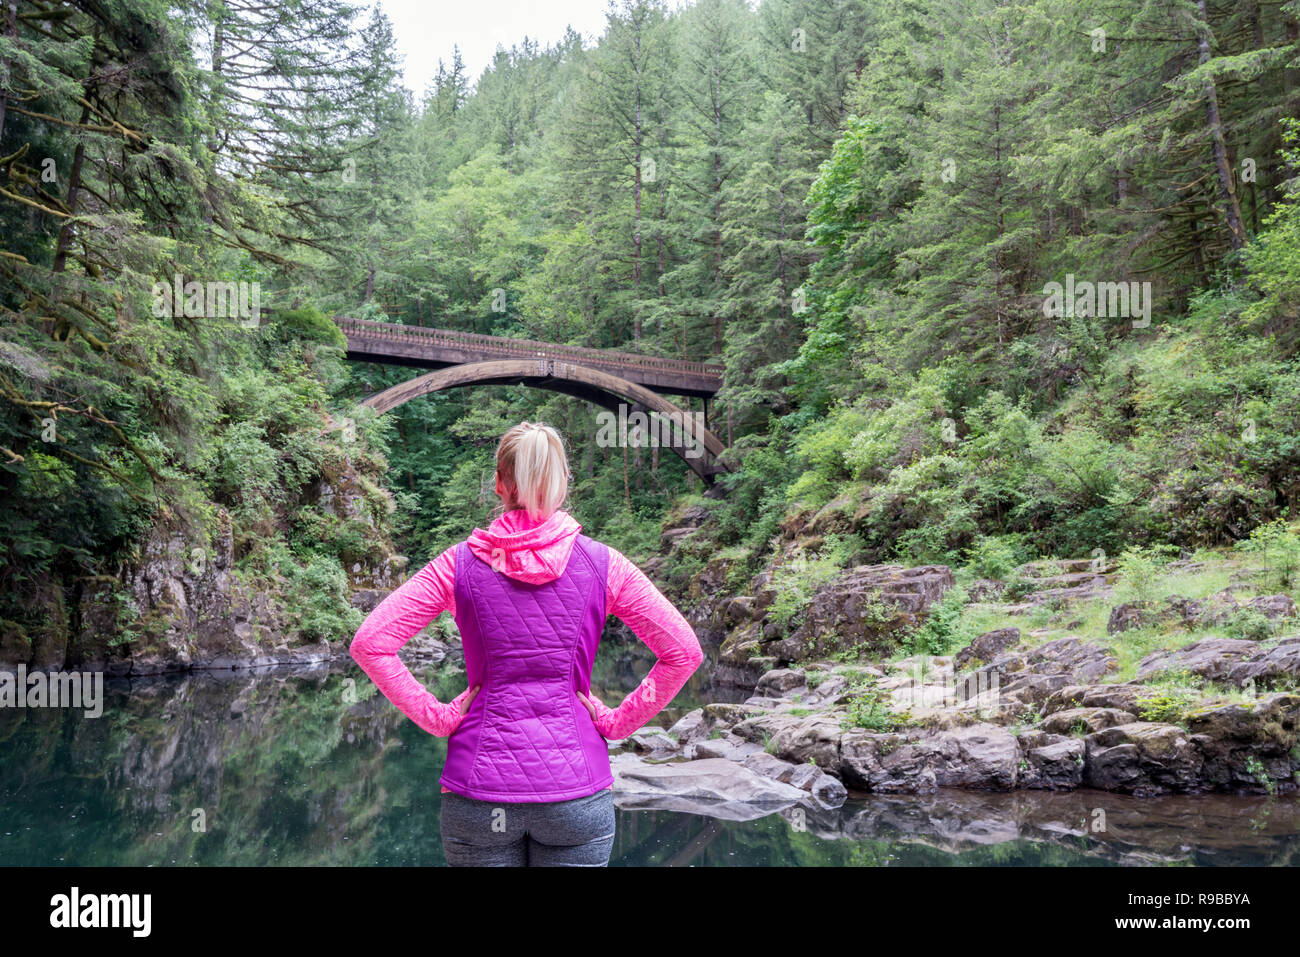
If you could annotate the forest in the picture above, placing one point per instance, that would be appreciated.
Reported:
(992, 280)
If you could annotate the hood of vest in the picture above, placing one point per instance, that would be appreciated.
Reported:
(534, 552)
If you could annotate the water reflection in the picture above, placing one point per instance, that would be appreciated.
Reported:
(316, 768)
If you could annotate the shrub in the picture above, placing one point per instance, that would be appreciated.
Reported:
(870, 707)
(308, 324)
(996, 556)
(944, 630)
(1140, 572)
(795, 584)
(1280, 549)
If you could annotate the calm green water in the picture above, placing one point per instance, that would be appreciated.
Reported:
(319, 769)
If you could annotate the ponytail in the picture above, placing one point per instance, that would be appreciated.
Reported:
(531, 457)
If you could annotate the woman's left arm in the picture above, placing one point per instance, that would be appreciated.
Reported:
(394, 622)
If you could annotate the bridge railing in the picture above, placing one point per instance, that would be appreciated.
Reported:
(531, 348)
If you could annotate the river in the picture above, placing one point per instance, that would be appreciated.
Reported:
(315, 768)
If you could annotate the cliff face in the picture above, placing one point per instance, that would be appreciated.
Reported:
(182, 603)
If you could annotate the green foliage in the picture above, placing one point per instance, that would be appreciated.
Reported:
(1140, 572)
(1168, 697)
(870, 707)
(996, 557)
(871, 276)
(795, 584)
(1248, 624)
(307, 324)
(1255, 768)
(1279, 546)
(945, 629)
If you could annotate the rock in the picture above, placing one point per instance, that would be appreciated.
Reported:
(1143, 758)
(1120, 696)
(692, 726)
(1051, 762)
(1210, 658)
(723, 715)
(1127, 616)
(1090, 719)
(771, 704)
(654, 740)
(1270, 720)
(780, 680)
(1267, 666)
(835, 515)
(1273, 607)
(1212, 610)
(713, 787)
(1032, 689)
(744, 675)
(1241, 743)
(867, 606)
(740, 609)
(986, 590)
(828, 791)
(366, 600)
(1064, 581)
(728, 746)
(977, 756)
(826, 689)
(814, 738)
(987, 645)
(1065, 656)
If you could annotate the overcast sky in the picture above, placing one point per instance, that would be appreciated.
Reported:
(426, 30)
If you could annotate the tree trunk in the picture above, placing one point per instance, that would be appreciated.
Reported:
(1227, 191)
(11, 30)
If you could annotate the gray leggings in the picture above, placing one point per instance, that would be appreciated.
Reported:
(574, 833)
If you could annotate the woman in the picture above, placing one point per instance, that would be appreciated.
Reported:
(527, 779)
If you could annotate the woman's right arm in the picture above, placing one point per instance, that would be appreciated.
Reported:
(407, 609)
(631, 596)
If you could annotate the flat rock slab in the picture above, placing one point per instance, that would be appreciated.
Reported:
(713, 787)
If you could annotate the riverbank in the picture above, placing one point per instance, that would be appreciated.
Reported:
(1180, 677)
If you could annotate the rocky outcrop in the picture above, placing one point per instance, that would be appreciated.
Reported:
(866, 608)
(1143, 757)
(1031, 675)
(977, 756)
(1051, 762)
(1050, 582)
(180, 606)
(1090, 735)
(1214, 610)
(1268, 666)
(1211, 658)
(1006, 711)
(1085, 720)
(986, 647)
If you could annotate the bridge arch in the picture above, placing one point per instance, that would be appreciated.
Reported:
(702, 451)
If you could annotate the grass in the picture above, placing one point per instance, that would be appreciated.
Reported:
(1087, 620)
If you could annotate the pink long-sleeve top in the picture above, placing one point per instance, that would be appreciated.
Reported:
(536, 551)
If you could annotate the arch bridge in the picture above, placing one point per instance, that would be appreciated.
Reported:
(622, 383)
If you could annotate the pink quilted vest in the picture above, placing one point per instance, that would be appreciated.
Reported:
(527, 737)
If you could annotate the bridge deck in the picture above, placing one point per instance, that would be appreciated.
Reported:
(395, 344)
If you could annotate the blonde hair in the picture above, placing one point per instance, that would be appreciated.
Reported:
(531, 457)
